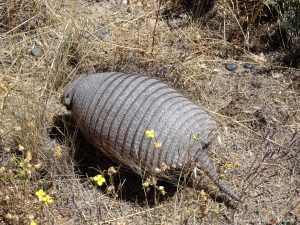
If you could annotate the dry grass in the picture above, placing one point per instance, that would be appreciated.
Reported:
(257, 112)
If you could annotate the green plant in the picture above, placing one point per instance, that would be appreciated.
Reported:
(289, 11)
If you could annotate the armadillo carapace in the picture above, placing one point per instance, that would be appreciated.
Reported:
(114, 111)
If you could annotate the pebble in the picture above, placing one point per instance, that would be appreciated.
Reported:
(129, 10)
(277, 75)
(102, 33)
(36, 51)
(248, 66)
(86, 35)
(231, 66)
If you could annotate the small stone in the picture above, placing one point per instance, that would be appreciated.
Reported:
(129, 10)
(102, 33)
(86, 35)
(248, 66)
(36, 51)
(231, 66)
(277, 75)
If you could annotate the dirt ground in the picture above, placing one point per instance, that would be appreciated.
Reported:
(46, 44)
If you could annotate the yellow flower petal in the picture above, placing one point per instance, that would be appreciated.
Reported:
(40, 194)
(150, 133)
(99, 179)
(33, 223)
(47, 199)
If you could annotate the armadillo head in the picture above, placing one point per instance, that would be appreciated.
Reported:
(68, 95)
(70, 90)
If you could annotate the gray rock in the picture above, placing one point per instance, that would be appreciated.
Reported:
(248, 66)
(86, 35)
(231, 66)
(36, 51)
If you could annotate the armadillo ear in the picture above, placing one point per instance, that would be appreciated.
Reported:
(68, 101)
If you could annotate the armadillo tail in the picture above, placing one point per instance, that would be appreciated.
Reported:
(223, 187)
(208, 166)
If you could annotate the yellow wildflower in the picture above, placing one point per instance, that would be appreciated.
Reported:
(150, 133)
(33, 222)
(43, 197)
(40, 194)
(47, 199)
(99, 179)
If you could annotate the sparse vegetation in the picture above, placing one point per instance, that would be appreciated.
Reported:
(289, 12)
(257, 110)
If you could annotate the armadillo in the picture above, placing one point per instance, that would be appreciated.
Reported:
(114, 110)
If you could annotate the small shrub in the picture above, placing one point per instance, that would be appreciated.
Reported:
(289, 11)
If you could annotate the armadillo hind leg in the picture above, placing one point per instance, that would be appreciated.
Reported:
(207, 165)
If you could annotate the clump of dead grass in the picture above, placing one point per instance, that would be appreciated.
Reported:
(25, 15)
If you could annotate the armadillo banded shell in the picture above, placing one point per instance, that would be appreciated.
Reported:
(114, 110)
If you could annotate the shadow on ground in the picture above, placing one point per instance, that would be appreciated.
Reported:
(89, 161)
